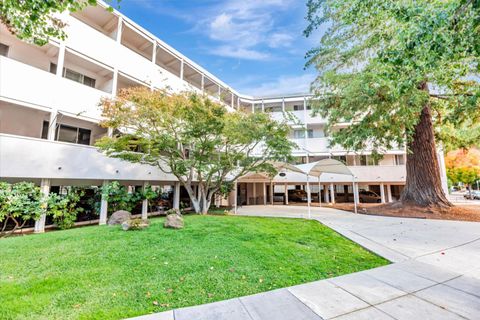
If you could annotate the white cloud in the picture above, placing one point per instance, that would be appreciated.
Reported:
(247, 28)
(240, 53)
(282, 85)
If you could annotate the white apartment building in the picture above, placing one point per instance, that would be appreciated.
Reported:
(49, 114)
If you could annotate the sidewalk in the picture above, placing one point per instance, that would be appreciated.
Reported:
(435, 275)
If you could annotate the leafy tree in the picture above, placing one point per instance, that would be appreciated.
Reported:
(400, 72)
(193, 138)
(463, 166)
(19, 203)
(37, 21)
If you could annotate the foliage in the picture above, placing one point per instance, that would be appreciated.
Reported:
(64, 208)
(193, 138)
(463, 166)
(105, 273)
(119, 198)
(19, 203)
(36, 21)
(376, 54)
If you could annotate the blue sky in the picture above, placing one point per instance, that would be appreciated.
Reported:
(255, 46)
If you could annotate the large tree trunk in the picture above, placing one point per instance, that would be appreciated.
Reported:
(423, 185)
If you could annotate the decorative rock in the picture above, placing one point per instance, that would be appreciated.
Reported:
(174, 221)
(135, 224)
(119, 217)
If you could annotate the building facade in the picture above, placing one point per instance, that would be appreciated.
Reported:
(49, 114)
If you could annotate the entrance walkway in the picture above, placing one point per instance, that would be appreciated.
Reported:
(435, 274)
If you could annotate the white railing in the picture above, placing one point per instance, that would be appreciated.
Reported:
(31, 158)
(24, 83)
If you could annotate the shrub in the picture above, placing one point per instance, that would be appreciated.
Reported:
(19, 203)
(64, 208)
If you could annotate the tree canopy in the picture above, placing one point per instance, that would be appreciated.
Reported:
(190, 136)
(396, 70)
(36, 21)
(375, 53)
(463, 166)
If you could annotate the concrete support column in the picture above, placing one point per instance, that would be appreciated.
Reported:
(283, 104)
(332, 193)
(253, 107)
(103, 207)
(264, 194)
(45, 190)
(119, 29)
(272, 187)
(254, 193)
(154, 53)
(61, 60)
(389, 193)
(176, 196)
(182, 64)
(235, 197)
(382, 192)
(325, 195)
(115, 82)
(203, 82)
(52, 125)
(286, 193)
(263, 106)
(145, 203)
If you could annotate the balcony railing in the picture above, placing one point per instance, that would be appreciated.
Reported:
(31, 158)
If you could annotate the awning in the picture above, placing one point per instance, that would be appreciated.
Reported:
(325, 166)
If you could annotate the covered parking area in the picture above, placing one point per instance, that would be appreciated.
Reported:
(329, 181)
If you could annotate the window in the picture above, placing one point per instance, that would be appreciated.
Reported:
(78, 77)
(310, 133)
(69, 134)
(53, 68)
(299, 134)
(399, 160)
(258, 107)
(4, 50)
(45, 130)
(298, 107)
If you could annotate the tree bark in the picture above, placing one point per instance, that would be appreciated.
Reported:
(423, 184)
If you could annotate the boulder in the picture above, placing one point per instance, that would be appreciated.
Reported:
(174, 221)
(135, 224)
(119, 217)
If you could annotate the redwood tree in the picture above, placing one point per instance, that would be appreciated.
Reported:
(403, 74)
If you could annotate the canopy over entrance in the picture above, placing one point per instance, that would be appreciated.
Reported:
(315, 169)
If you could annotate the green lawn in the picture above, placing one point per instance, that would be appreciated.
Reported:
(106, 273)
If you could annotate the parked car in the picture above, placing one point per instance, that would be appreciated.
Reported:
(473, 195)
(369, 196)
(297, 195)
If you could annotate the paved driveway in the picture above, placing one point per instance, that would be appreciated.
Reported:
(435, 274)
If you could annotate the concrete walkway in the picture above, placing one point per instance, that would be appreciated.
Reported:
(435, 275)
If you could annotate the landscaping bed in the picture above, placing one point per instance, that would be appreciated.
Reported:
(461, 212)
(103, 272)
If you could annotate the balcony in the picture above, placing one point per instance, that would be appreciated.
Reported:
(30, 158)
(23, 83)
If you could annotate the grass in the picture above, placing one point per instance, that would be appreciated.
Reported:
(105, 273)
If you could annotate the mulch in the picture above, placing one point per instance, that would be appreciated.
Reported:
(462, 212)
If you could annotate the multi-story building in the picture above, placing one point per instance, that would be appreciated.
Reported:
(49, 112)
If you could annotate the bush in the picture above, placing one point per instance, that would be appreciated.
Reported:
(64, 208)
(19, 203)
(119, 199)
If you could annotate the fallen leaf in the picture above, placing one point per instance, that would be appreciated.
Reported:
(155, 303)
